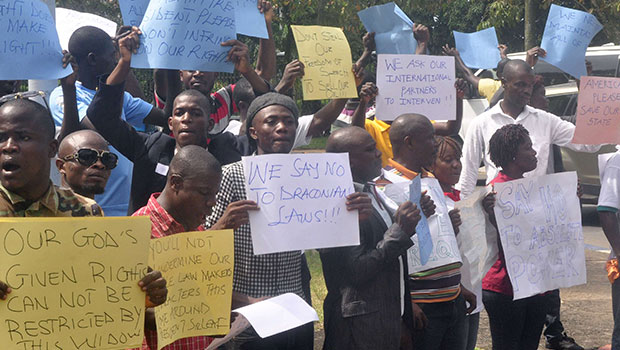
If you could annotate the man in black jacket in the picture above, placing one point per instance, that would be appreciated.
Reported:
(368, 304)
(151, 154)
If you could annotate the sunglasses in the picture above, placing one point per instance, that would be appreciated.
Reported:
(89, 156)
(27, 95)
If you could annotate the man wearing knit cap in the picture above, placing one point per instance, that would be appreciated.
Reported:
(271, 124)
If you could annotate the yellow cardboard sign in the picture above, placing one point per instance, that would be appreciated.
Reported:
(198, 267)
(326, 54)
(74, 281)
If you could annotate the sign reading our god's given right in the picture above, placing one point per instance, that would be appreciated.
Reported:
(74, 282)
(539, 222)
(416, 84)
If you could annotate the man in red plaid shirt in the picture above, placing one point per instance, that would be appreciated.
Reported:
(193, 181)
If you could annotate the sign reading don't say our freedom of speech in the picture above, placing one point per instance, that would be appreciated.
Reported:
(198, 267)
(416, 84)
(539, 223)
(74, 282)
(326, 54)
(302, 201)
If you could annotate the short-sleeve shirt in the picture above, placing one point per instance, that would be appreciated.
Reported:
(380, 132)
(488, 87)
(115, 199)
(255, 275)
(162, 225)
(497, 279)
(56, 202)
(609, 197)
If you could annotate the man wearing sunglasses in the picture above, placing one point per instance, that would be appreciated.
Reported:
(85, 162)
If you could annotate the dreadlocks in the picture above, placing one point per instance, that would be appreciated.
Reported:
(445, 142)
(505, 143)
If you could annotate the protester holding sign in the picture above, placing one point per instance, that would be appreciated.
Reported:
(151, 154)
(94, 52)
(271, 124)
(193, 179)
(374, 272)
(546, 129)
(203, 81)
(27, 145)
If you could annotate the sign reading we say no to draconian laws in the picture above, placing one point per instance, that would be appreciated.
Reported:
(74, 282)
(302, 201)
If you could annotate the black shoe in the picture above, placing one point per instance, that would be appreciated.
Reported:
(564, 343)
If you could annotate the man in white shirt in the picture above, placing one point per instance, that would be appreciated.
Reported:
(545, 129)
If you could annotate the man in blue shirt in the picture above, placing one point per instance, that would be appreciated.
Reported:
(96, 55)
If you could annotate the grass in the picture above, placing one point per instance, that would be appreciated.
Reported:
(317, 285)
(317, 143)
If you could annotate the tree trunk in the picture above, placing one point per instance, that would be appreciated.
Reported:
(530, 17)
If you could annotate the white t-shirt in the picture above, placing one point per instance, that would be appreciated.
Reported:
(301, 135)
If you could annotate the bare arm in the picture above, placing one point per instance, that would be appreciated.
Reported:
(238, 55)
(368, 92)
(266, 61)
(326, 116)
(422, 35)
(609, 223)
(460, 65)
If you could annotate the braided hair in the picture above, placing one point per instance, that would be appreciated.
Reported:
(504, 144)
(445, 142)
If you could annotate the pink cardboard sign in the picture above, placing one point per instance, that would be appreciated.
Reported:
(598, 111)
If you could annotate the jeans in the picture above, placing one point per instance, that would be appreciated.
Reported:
(553, 326)
(615, 304)
(472, 323)
(446, 328)
(515, 325)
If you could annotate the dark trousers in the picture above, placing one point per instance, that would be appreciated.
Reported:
(446, 329)
(515, 325)
(554, 328)
(294, 339)
(615, 304)
(472, 323)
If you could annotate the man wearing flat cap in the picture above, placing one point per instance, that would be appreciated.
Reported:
(271, 125)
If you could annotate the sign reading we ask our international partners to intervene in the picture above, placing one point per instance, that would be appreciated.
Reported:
(302, 201)
(419, 84)
(74, 282)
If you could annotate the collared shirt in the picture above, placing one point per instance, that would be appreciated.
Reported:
(255, 275)
(545, 129)
(380, 132)
(56, 202)
(163, 224)
(115, 199)
(488, 87)
(434, 285)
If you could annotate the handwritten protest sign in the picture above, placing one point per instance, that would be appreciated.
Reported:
(567, 35)
(598, 111)
(198, 267)
(539, 222)
(68, 21)
(422, 229)
(133, 11)
(28, 36)
(186, 35)
(416, 84)
(393, 29)
(302, 201)
(249, 20)
(473, 243)
(445, 249)
(326, 54)
(74, 282)
(479, 49)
